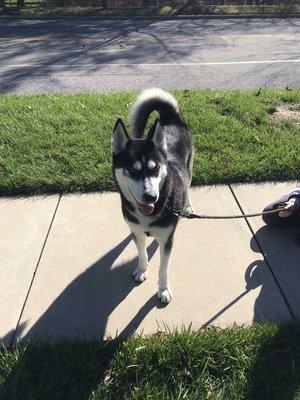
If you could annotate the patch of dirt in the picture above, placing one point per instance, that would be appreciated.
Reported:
(285, 113)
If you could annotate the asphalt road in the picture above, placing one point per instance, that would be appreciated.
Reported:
(95, 55)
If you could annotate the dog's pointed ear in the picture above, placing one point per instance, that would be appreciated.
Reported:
(120, 137)
(157, 136)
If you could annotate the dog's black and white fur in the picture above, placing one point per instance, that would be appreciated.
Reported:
(151, 173)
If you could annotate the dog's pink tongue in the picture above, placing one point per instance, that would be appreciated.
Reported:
(146, 209)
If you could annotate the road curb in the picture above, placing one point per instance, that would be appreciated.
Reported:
(150, 18)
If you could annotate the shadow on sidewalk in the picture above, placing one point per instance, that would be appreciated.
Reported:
(281, 248)
(283, 245)
(83, 308)
(267, 379)
(80, 312)
(275, 374)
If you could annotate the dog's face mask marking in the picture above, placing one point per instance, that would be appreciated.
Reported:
(140, 165)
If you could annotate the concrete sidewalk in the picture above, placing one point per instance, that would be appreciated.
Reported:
(66, 265)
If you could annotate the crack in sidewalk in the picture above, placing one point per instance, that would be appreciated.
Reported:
(263, 254)
(34, 272)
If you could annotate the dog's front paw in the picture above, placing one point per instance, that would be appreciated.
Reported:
(140, 275)
(165, 295)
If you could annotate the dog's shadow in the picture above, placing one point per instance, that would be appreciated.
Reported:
(82, 310)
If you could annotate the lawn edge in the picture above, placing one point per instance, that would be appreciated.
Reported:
(149, 18)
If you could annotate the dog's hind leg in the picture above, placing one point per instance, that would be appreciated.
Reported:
(164, 290)
(141, 273)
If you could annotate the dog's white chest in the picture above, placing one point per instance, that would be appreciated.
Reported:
(144, 223)
(145, 226)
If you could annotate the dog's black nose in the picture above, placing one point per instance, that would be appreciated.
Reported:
(149, 198)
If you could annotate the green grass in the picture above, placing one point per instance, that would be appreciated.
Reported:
(61, 143)
(48, 9)
(257, 363)
(254, 9)
(37, 10)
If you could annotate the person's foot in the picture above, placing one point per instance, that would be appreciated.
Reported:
(290, 207)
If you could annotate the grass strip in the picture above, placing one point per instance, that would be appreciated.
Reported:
(38, 9)
(258, 362)
(61, 142)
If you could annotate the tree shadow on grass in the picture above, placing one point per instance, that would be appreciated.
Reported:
(69, 370)
(275, 372)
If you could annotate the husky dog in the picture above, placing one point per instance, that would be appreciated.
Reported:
(153, 176)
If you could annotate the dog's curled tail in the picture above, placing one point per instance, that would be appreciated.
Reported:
(148, 101)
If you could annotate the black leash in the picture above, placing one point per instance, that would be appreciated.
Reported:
(187, 215)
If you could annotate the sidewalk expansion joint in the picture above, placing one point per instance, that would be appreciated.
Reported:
(35, 271)
(263, 254)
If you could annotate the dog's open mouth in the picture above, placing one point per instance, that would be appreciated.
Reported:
(146, 209)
